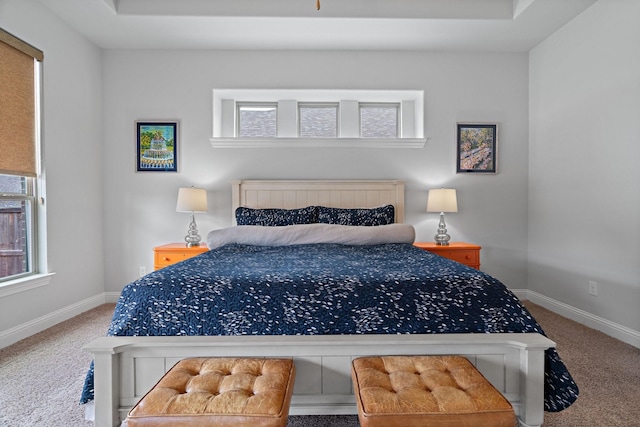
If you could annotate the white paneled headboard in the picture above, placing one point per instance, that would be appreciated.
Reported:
(293, 194)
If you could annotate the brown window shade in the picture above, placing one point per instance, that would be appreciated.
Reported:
(17, 106)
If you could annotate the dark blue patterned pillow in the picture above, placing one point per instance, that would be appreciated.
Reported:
(276, 217)
(382, 215)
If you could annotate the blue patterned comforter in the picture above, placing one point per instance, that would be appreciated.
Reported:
(320, 289)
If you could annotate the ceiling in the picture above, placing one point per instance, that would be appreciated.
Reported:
(438, 25)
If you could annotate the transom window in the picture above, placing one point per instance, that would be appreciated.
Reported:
(379, 120)
(318, 120)
(257, 120)
(266, 117)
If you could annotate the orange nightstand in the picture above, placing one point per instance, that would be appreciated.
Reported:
(464, 253)
(174, 252)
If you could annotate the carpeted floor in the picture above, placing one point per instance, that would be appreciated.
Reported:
(41, 377)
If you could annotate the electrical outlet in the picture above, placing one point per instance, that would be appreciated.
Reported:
(142, 271)
(593, 288)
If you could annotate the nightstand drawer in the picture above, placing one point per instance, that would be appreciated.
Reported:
(172, 253)
(167, 258)
(464, 253)
(469, 257)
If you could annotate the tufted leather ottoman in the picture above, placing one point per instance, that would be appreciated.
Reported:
(219, 392)
(420, 391)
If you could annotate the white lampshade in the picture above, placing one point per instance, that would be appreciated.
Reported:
(442, 200)
(192, 200)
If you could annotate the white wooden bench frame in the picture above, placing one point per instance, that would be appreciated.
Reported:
(127, 367)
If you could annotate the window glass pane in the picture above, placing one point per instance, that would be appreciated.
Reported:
(318, 121)
(257, 121)
(15, 212)
(13, 184)
(379, 120)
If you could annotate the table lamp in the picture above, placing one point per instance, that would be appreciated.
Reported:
(442, 200)
(192, 200)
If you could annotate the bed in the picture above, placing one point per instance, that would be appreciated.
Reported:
(336, 278)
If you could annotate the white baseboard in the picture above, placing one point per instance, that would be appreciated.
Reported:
(522, 294)
(20, 332)
(627, 335)
(605, 326)
(111, 297)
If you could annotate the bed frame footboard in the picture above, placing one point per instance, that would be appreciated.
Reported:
(127, 367)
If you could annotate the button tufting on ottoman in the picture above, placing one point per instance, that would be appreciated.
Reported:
(418, 391)
(219, 392)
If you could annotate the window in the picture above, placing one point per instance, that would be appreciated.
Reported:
(317, 118)
(257, 120)
(20, 184)
(16, 226)
(379, 120)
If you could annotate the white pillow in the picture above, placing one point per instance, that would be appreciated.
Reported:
(311, 233)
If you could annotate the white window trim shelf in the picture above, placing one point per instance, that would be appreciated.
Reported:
(225, 142)
(25, 283)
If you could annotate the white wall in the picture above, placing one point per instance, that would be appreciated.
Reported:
(562, 210)
(567, 189)
(140, 207)
(584, 176)
(73, 138)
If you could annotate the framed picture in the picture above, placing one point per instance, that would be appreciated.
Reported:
(157, 146)
(477, 148)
